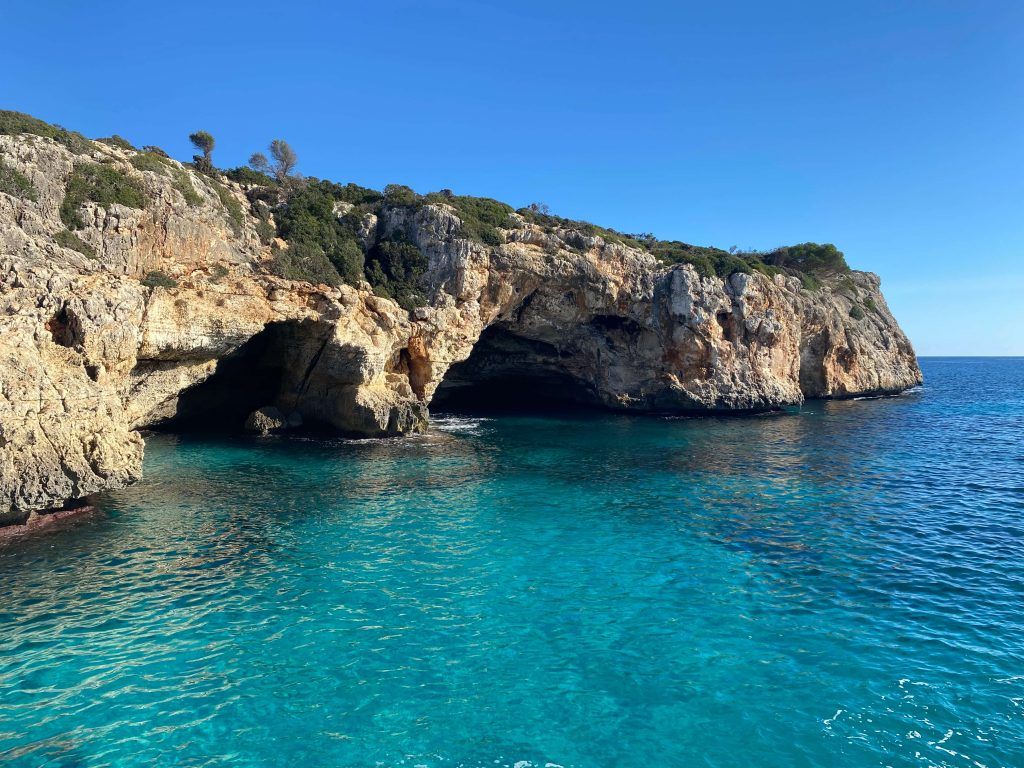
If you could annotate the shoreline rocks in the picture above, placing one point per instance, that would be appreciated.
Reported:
(45, 520)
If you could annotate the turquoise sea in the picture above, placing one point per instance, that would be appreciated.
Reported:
(841, 585)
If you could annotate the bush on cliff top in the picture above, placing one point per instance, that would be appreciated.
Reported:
(709, 262)
(151, 161)
(399, 194)
(15, 123)
(309, 222)
(349, 193)
(117, 141)
(481, 216)
(246, 175)
(325, 248)
(101, 184)
(809, 257)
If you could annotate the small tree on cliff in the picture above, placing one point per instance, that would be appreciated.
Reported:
(203, 141)
(283, 165)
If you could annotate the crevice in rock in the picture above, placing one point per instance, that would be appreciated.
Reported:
(616, 325)
(64, 328)
(725, 321)
(812, 364)
(413, 364)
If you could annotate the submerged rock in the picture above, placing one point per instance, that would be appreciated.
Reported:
(169, 313)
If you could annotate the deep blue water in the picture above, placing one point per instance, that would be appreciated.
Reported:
(843, 586)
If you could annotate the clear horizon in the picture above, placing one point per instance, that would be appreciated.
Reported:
(891, 130)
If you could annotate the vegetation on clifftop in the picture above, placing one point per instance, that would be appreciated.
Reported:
(328, 228)
(117, 141)
(15, 123)
(151, 161)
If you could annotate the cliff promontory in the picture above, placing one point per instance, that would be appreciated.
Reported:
(138, 292)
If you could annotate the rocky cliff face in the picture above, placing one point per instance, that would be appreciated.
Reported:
(170, 314)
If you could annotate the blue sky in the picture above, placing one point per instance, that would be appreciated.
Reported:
(893, 129)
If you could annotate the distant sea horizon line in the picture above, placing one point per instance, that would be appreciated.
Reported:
(970, 357)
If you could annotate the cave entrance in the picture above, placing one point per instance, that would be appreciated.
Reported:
(263, 371)
(507, 373)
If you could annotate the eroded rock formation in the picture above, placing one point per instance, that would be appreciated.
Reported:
(93, 347)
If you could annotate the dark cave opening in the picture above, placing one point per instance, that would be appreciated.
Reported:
(509, 374)
(255, 375)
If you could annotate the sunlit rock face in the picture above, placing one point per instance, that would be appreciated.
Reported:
(92, 348)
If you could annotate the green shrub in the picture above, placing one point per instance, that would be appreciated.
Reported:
(309, 220)
(183, 183)
(155, 151)
(856, 312)
(357, 195)
(399, 194)
(709, 262)
(870, 304)
(266, 231)
(150, 161)
(235, 214)
(16, 184)
(703, 265)
(611, 236)
(158, 279)
(204, 142)
(67, 239)
(348, 259)
(101, 184)
(809, 257)
(349, 193)
(809, 282)
(481, 217)
(117, 141)
(846, 284)
(766, 269)
(246, 175)
(393, 268)
(15, 123)
(306, 262)
(218, 273)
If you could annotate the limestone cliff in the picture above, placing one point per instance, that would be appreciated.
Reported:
(168, 311)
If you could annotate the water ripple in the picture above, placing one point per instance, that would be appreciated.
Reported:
(838, 586)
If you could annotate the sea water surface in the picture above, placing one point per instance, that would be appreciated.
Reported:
(838, 586)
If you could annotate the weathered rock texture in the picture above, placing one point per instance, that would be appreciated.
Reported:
(88, 354)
